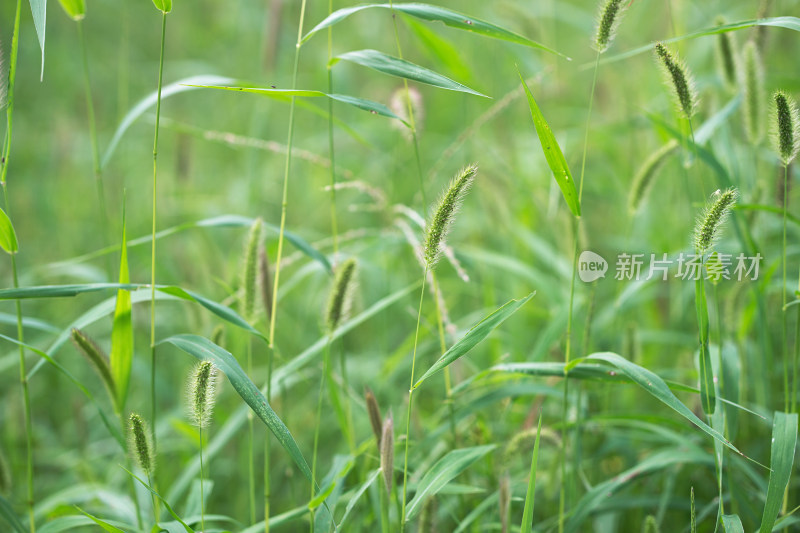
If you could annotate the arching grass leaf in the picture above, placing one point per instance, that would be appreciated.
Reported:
(781, 460)
(8, 237)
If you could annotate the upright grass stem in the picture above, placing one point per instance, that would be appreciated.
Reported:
(153, 244)
(23, 374)
(331, 151)
(276, 284)
(786, 400)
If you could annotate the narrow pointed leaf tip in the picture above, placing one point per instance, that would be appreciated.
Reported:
(553, 154)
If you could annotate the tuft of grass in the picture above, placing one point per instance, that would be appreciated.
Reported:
(679, 79)
(710, 223)
(607, 24)
(753, 82)
(439, 225)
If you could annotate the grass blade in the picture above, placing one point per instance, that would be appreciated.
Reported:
(401, 68)
(431, 13)
(527, 513)
(122, 330)
(204, 349)
(39, 12)
(8, 237)
(552, 152)
(102, 523)
(732, 523)
(781, 460)
(7, 512)
(444, 471)
(157, 495)
(476, 334)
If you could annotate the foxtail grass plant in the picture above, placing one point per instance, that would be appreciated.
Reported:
(386, 451)
(99, 361)
(611, 13)
(727, 57)
(707, 230)
(201, 393)
(436, 230)
(752, 81)
(165, 6)
(143, 451)
(273, 308)
(5, 159)
(787, 142)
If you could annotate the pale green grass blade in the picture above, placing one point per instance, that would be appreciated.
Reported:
(707, 396)
(112, 428)
(222, 221)
(476, 334)
(790, 23)
(102, 523)
(157, 495)
(39, 12)
(781, 460)
(732, 523)
(527, 513)
(163, 5)
(8, 237)
(441, 473)
(286, 95)
(122, 330)
(203, 349)
(7, 512)
(768, 209)
(357, 496)
(75, 9)
(150, 100)
(552, 153)
(432, 13)
(394, 66)
(68, 523)
(656, 387)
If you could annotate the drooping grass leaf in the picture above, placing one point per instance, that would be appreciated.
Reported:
(732, 523)
(122, 330)
(552, 153)
(790, 23)
(433, 13)
(781, 460)
(441, 473)
(180, 86)
(102, 523)
(285, 94)
(476, 334)
(527, 513)
(401, 68)
(69, 523)
(203, 349)
(8, 237)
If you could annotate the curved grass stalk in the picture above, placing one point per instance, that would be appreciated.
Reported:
(276, 283)
(23, 378)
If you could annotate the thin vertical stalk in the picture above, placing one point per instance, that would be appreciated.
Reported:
(783, 293)
(23, 374)
(202, 495)
(251, 479)
(276, 283)
(410, 398)
(331, 152)
(153, 243)
(318, 421)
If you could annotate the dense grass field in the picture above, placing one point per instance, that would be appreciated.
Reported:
(473, 266)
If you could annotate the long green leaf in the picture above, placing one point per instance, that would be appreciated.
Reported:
(39, 12)
(122, 330)
(476, 334)
(102, 523)
(527, 513)
(165, 502)
(401, 68)
(781, 460)
(203, 349)
(441, 473)
(432, 13)
(732, 523)
(790, 23)
(552, 153)
(180, 86)
(286, 94)
(8, 237)
(707, 395)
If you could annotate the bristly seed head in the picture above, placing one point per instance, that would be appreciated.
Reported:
(374, 412)
(754, 96)
(387, 452)
(202, 393)
(438, 226)
(647, 173)
(140, 443)
(607, 24)
(709, 225)
(341, 295)
(787, 124)
(250, 269)
(726, 56)
(265, 281)
(680, 80)
(97, 358)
